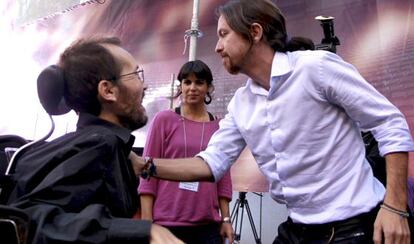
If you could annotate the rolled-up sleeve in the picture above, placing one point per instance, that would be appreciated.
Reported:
(224, 147)
(344, 86)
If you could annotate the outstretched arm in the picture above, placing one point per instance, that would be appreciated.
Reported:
(182, 169)
(390, 225)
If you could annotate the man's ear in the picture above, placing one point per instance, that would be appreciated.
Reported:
(256, 31)
(107, 91)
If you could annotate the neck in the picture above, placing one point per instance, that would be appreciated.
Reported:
(110, 118)
(260, 67)
(196, 112)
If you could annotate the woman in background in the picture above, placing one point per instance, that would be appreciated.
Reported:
(190, 210)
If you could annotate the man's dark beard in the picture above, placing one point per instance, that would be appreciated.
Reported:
(235, 69)
(132, 124)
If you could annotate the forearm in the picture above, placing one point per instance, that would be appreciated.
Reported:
(183, 169)
(226, 229)
(147, 203)
(396, 194)
(224, 207)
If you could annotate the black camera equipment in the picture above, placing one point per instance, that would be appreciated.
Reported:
(330, 41)
(240, 205)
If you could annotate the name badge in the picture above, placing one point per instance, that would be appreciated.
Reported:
(189, 186)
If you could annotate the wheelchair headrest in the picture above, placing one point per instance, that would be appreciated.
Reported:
(11, 141)
(50, 89)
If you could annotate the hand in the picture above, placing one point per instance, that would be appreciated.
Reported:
(392, 227)
(226, 231)
(137, 162)
(161, 235)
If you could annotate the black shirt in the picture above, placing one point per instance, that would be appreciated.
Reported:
(81, 187)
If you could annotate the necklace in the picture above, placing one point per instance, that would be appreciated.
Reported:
(185, 137)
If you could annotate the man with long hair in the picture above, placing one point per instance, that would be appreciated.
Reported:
(301, 113)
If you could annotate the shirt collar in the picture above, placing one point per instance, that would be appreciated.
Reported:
(280, 67)
(86, 119)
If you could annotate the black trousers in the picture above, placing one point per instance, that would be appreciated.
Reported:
(355, 230)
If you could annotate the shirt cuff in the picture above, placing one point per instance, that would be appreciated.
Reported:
(396, 140)
(218, 163)
(129, 230)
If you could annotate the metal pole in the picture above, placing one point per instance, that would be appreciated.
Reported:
(194, 32)
(172, 90)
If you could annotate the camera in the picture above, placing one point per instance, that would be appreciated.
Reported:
(329, 41)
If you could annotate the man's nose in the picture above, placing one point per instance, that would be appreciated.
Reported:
(219, 47)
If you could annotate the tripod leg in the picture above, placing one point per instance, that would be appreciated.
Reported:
(235, 210)
(238, 236)
(235, 220)
(249, 214)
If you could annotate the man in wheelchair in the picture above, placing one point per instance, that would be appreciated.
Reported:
(81, 187)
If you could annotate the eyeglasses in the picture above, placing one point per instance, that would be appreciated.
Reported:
(139, 73)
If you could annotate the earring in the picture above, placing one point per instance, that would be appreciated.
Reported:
(207, 99)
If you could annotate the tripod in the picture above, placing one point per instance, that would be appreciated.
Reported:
(241, 203)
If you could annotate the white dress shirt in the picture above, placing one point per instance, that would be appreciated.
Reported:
(305, 135)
